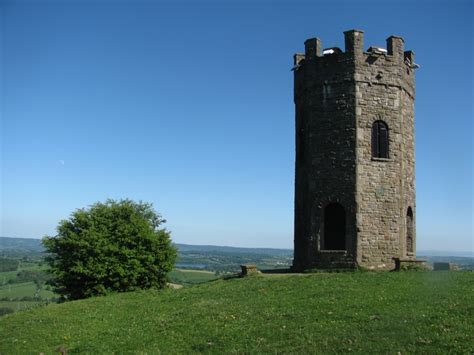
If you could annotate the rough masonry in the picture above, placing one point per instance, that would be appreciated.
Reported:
(355, 154)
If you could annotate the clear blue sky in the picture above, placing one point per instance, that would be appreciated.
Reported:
(189, 105)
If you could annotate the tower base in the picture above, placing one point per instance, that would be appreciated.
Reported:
(329, 259)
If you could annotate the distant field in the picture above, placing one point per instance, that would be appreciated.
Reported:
(19, 305)
(7, 276)
(11, 275)
(359, 312)
(181, 276)
(23, 289)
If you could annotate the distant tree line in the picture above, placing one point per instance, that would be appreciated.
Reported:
(5, 310)
(35, 298)
(8, 264)
(31, 275)
(36, 276)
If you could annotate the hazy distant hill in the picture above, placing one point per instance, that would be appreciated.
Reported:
(224, 249)
(441, 253)
(21, 244)
(29, 244)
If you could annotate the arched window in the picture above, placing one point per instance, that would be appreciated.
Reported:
(334, 227)
(409, 230)
(379, 140)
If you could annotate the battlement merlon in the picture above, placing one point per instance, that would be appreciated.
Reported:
(395, 47)
(354, 41)
(312, 48)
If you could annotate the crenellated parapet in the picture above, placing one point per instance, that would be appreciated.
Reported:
(354, 63)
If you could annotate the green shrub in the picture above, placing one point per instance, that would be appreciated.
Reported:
(115, 246)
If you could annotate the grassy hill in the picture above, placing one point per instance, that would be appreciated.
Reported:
(360, 312)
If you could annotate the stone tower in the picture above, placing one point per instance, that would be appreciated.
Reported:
(355, 154)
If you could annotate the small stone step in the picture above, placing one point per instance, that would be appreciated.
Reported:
(249, 269)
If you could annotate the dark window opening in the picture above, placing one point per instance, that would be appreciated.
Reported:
(334, 227)
(409, 230)
(379, 140)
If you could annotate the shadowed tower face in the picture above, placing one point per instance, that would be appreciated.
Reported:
(355, 160)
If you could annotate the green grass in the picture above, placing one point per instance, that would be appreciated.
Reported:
(360, 312)
(185, 277)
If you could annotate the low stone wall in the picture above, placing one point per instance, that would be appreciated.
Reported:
(249, 270)
(439, 266)
(410, 264)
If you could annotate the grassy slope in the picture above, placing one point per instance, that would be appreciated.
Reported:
(19, 290)
(428, 312)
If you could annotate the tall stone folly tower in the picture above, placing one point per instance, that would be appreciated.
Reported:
(355, 154)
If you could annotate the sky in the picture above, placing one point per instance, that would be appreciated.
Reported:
(189, 105)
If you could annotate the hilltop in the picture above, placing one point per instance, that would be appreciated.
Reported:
(361, 312)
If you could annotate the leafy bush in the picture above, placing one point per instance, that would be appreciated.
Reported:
(115, 246)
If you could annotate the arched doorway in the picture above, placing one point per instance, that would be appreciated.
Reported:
(409, 225)
(334, 227)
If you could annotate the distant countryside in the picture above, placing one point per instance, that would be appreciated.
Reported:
(23, 272)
